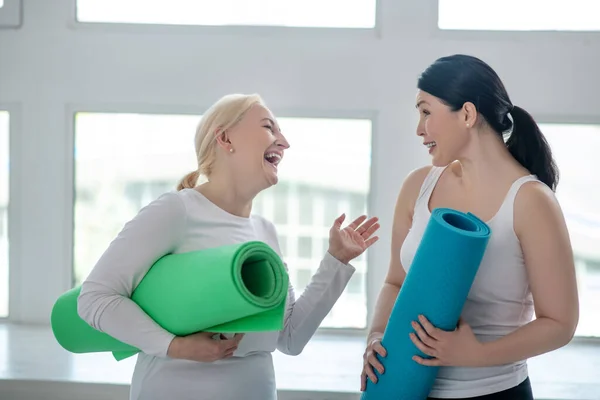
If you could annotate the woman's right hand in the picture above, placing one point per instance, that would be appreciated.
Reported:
(202, 347)
(370, 360)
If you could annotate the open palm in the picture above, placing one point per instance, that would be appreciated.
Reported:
(350, 242)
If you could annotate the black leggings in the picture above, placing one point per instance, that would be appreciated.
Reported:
(520, 392)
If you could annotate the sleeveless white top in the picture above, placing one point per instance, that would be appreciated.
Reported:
(498, 303)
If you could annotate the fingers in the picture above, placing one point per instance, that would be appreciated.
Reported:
(372, 359)
(421, 346)
(371, 241)
(338, 221)
(370, 373)
(363, 381)
(354, 225)
(432, 362)
(379, 349)
(229, 354)
(367, 372)
(423, 335)
(230, 345)
(367, 230)
(430, 329)
(238, 337)
(366, 224)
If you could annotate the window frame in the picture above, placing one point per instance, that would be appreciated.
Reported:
(16, 281)
(481, 35)
(316, 33)
(69, 189)
(548, 119)
(11, 14)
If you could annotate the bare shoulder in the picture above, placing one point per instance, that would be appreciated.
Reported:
(412, 186)
(536, 206)
(405, 203)
(416, 177)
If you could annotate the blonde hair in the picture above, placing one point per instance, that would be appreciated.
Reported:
(222, 115)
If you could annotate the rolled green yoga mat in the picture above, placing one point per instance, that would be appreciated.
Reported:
(436, 285)
(230, 289)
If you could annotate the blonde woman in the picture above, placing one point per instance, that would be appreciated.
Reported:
(239, 146)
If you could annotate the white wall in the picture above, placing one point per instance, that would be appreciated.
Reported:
(49, 68)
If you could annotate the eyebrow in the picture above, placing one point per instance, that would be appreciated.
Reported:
(421, 102)
(275, 126)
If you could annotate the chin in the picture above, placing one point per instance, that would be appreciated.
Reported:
(271, 177)
(438, 161)
(272, 180)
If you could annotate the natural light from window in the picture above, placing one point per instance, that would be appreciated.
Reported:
(124, 161)
(291, 13)
(519, 15)
(4, 196)
(575, 148)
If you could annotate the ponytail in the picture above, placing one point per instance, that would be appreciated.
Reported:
(529, 147)
(189, 181)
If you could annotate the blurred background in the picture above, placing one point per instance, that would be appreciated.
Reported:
(99, 101)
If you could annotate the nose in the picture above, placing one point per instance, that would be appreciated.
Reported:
(420, 128)
(282, 141)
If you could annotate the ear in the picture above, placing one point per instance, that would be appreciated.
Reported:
(469, 114)
(222, 138)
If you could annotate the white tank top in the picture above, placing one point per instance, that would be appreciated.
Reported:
(498, 303)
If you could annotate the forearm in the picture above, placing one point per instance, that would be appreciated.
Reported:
(305, 315)
(538, 337)
(122, 319)
(383, 308)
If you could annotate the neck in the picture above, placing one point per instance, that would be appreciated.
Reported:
(486, 157)
(228, 196)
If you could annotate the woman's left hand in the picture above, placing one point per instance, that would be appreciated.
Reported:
(459, 348)
(350, 242)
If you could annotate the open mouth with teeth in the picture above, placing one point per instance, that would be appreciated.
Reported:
(272, 158)
(430, 145)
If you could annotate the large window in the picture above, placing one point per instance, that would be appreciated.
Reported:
(292, 13)
(124, 161)
(519, 15)
(575, 148)
(4, 193)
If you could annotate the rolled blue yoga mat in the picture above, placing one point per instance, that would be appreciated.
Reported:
(436, 285)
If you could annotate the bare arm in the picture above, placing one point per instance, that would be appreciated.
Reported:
(304, 315)
(542, 231)
(403, 214)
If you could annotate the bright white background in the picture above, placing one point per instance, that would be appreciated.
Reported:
(51, 67)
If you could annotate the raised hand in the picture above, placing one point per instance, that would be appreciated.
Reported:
(350, 242)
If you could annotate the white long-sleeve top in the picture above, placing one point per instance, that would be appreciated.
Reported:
(179, 222)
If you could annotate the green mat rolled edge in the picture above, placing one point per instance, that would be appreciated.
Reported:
(228, 289)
